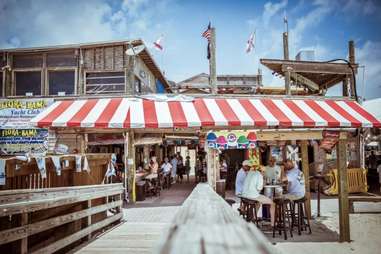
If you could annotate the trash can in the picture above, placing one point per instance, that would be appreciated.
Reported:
(220, 187)
(140, 191)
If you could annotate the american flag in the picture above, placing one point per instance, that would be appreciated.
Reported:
(158, 44)
(207, 33)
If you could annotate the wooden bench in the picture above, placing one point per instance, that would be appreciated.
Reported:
(353, 199)
(205, 223)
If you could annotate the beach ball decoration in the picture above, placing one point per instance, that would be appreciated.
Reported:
(211, 139)
(252, 137)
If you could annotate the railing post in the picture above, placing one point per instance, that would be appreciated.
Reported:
(24, 241)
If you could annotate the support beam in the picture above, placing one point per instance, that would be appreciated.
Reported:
(287, 80)
(345, 87)
(131, 167)
(285, 46)
(341, 149)
(306, 172)
(305, 81)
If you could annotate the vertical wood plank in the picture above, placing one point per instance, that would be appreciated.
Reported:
(212, 62)
(306, 172)
(24, 241)
(341, 148)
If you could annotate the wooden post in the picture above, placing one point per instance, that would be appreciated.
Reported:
(352, 60)
(345, 87)
(285, 46)
(341, 149)
(211, 164)
(88, 219)
(131, 167)
(130, 75)
(306, 172)
(24, 241)
(212, 62)
(126, 166)
(287, 79)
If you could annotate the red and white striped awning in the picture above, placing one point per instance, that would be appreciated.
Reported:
(201, 112)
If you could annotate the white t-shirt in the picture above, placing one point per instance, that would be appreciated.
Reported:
(296, 185)
(253, 185)
(166, 167)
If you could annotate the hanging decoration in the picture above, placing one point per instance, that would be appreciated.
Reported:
(41, 165)
(231, 140)
(57, 164)
(2, 172)
(85, 166)
(78, 163)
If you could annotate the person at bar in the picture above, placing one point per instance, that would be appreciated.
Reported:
(273, 172)
(252, 187)
(295, 179)
(240, 178)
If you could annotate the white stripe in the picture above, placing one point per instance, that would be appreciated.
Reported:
(364, 122)
(94, 113)
(34, 121)
(270, 119)
(295, 120)
(240, 112)
(318, 120)
(137, 114)
(190, 113)
(163, 114)
(120, 114)
(68, 114)
(343, 121)
(215, 111)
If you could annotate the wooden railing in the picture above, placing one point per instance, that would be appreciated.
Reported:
(28, 176)
(205, 223)
(52, 219)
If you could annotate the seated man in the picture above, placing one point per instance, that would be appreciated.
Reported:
(240, 178)
(273, 172)
(295, 179)
(251, 190)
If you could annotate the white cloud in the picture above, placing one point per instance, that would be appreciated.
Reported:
(369, 55)
(270, 9)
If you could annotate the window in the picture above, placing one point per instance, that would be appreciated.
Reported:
(104, 82)
(28, 82)
(27, 61)
(61, 81)
(138, 85)
(61, 59)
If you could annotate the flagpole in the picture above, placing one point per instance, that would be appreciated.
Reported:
(212, 62)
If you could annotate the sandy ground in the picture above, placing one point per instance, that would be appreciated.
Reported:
(365, 231)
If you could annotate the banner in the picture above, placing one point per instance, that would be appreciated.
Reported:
(19, 141)
(232, 139)
(17, 113)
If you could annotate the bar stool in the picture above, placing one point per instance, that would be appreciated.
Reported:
(283, 217)
(249, 210)
(299, 218)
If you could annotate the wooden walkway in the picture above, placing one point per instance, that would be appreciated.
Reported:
(139, 233)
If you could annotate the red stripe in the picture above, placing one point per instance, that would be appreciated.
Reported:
(331, 121)
(343, 113)
(364, 113)
(227, 111)
(307, 121)
(81, 114)
(257, 117)
(206, 118)
(127, 121)
(284, 121)
(47, 120)
(177, 114)
(150, 117)
(105, 117)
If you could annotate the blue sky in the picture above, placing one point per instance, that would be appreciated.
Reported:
(322, 25)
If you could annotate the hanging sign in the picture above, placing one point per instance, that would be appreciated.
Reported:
(330, 138)
(20, 141)
(18, 113)
(231, 139)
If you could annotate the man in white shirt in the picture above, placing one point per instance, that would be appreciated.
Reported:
(295, 179)
(240, 178)
(251, 190)
(166, 167)
(273, 172)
